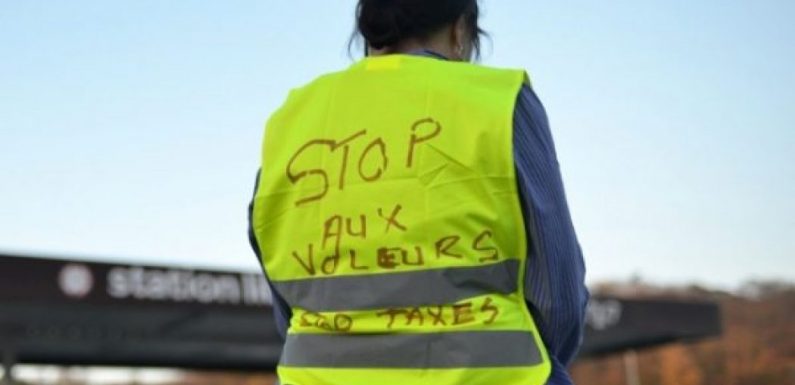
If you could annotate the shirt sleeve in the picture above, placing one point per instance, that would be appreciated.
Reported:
(555, 278)
(282, 312)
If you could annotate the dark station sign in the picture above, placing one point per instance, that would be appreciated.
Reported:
(87, 313)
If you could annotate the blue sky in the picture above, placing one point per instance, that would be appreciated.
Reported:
(130, 130)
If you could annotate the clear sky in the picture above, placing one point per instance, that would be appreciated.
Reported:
(130, 130)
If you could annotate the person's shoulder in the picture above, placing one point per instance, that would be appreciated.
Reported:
(528, 98)
(298, 96)
(497, 69)
(317, 82)
(508, 77)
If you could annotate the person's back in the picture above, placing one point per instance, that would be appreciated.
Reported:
(390, 222)
(388, 217)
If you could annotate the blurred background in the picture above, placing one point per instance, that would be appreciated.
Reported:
(129, 143)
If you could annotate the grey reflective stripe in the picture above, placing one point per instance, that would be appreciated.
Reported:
(415, 288)
(417, 350)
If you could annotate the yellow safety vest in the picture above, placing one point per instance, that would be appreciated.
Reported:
(388, 217)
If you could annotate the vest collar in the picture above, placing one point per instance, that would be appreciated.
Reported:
(427, 53)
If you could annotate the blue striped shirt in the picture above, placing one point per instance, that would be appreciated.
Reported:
(555, 279)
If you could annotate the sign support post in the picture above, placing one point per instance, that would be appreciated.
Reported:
(9, 360)
(631, 369)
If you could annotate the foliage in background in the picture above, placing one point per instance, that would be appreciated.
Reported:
(757, 346)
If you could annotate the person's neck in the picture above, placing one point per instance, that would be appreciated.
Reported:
(412, 47)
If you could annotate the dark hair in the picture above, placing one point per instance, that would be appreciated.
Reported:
(384, 23)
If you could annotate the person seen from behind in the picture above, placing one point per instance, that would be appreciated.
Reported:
(410, 215)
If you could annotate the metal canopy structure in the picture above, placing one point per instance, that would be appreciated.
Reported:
(617, 325)
(86, 313)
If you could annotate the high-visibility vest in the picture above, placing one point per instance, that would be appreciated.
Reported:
(388, 217)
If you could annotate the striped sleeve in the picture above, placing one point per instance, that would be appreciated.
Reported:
(554, 288)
